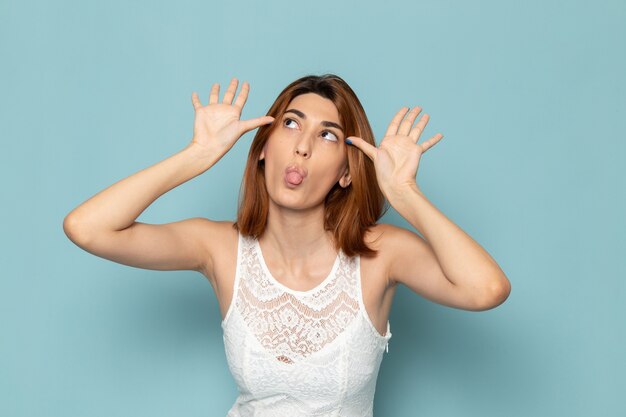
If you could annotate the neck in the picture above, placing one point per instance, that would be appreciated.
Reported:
(297, 236)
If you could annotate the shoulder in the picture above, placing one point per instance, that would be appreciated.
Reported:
(212, 230)
(399, 248)
(384, 236)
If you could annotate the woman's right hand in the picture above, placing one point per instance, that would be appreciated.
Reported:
(217, 126)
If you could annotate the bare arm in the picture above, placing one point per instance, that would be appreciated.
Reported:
(106, 225)
(447, 265)
(116, 207)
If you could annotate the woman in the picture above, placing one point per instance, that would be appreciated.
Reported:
(305, 277)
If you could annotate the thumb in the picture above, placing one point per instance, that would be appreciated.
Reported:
(248, 125)
(358, 142)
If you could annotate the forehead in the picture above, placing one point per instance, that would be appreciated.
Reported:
(315, 107)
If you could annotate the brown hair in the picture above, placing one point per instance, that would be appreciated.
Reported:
(350, 211)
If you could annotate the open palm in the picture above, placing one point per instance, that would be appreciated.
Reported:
(217, 126)
(397, 158)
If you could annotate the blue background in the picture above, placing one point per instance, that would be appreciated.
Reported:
(530, 97)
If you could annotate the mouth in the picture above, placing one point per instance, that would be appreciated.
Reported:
(294, 175)
(293, 179)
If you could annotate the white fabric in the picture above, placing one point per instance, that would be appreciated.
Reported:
(300, 353)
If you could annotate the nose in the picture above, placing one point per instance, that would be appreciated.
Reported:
(303, 147)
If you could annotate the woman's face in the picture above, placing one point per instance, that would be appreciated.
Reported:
(309, 138)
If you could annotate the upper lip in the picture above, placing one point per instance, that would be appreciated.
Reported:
(296, 168)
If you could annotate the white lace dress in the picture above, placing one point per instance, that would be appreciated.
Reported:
(300, 353)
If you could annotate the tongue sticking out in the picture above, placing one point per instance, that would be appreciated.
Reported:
(294, 178)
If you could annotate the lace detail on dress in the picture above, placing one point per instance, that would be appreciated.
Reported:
(300, 353)
(291, 324)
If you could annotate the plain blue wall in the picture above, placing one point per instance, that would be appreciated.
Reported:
(530, 97)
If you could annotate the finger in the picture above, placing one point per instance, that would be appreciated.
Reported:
(230, 92)
(215, 93)
(406, 124)
(393, 126)
(361, 144)
(243, 95)
(195, 100)
(248, 125)
(431, 142)
(419, 127)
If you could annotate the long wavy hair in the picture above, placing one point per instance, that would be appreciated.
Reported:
(348, 212)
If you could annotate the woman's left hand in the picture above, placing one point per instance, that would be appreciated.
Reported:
(397, 157)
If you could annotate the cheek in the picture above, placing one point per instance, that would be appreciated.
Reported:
(275, 161)
(277, 151)
(330, 171)
(276, 146)
(333, 161)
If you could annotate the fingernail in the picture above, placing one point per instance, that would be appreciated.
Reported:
(348, 141)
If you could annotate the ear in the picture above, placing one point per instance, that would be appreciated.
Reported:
(346, 179)
(262, 155)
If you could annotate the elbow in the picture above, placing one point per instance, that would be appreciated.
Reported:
(496, 293)
(69, 225)
(72, 227)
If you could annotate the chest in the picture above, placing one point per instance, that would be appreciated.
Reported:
(377, 296)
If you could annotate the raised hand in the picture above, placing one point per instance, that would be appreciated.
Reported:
(217, 126)
(397, 157)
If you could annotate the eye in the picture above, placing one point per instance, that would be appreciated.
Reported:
(332, 140)
(287, 120)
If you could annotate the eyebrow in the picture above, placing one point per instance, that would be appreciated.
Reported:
(324, 123)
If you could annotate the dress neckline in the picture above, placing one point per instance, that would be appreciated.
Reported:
(271, 277)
